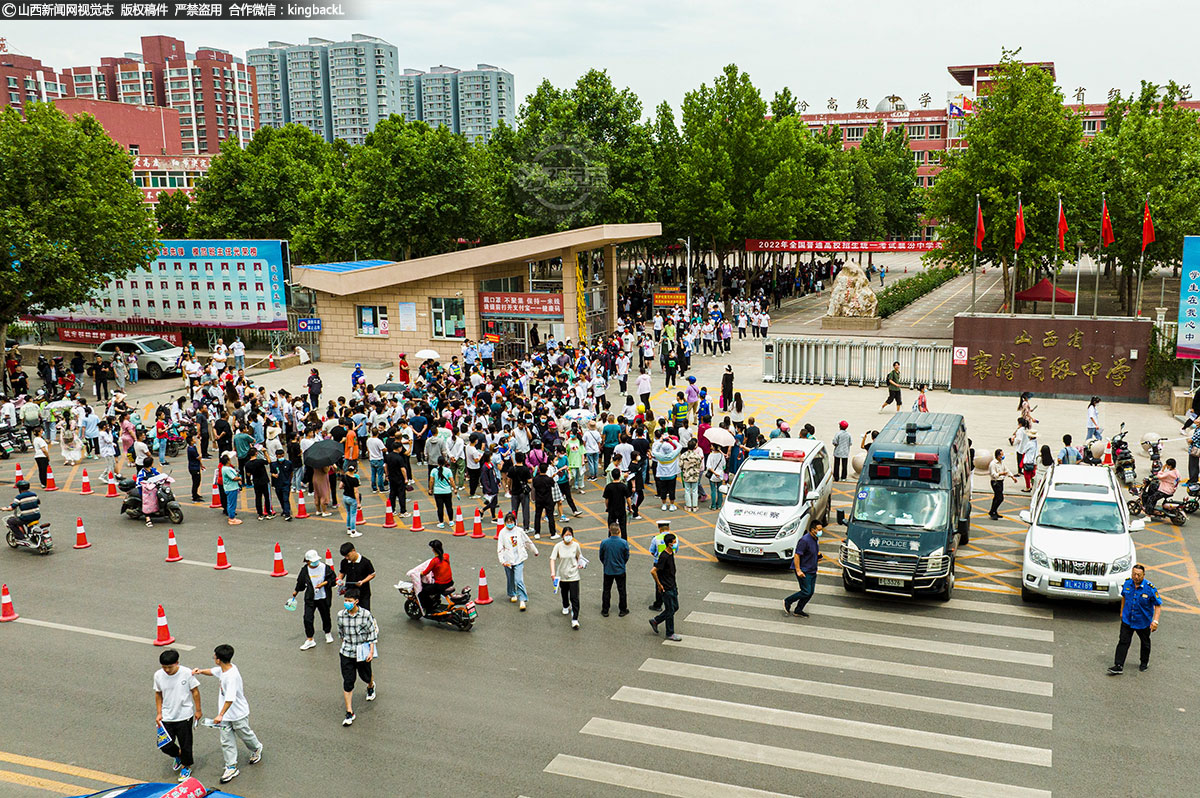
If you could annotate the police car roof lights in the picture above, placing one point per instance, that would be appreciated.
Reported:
(768, 454)
(918, 457)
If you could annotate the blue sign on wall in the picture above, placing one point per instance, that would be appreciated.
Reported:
(308, 325)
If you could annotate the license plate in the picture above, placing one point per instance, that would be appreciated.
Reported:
(471, 606)
(751, 550)
(472, 614)
(891, 583)
(1075, 584)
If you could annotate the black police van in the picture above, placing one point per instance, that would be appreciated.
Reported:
(912, 508)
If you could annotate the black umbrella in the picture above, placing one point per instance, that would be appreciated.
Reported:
(338, 433)
(391, 387)
(323, 453)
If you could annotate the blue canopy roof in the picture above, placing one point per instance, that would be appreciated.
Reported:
(346, 266)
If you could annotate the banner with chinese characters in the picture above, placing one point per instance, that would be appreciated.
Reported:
(667, 299)
(776, 245)
(520, 305)
(1187, 341)
(77, 335)
(1067, 356)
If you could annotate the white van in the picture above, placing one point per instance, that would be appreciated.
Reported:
(776, 494)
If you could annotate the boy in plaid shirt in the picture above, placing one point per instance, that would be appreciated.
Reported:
(359, 632)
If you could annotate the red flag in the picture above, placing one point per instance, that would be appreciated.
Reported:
(1106, 231)
(1147, 227)
(1062, 227)
(1019, 234)
(978, 226)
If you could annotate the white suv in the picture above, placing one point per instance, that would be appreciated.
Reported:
(1078, 544)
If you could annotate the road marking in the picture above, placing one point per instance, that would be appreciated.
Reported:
(922, 621)
(66, 770)
(864, 665)
(947, 299)
(231, 568)
(808, 761)
(654, 781)
(842, 692)
(49, 785)
(840, 727)
(98, 633)
(873, 639)
(965, 605)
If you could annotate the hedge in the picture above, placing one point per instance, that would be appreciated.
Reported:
(904, 292)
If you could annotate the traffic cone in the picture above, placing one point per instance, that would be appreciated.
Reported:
(477, 532)
(19, 476)
(416, 522)
(482, 597)
(499, 526)
(358, 516)
(164, 631)
(81, 541)
(172, 547)
(215, 504)
(389, 518)
(222, 560)
(301, 510)
(279, 569)
(271, 362)
(459, 529)
(329, 557)
(7, 613)
(1107, 454)
(112, 487)
(50, 479)
(86, 489)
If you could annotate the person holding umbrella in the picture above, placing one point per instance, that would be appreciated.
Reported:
(321, 457)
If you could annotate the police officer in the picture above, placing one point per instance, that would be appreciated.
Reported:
(1140, 609)
(657, 544)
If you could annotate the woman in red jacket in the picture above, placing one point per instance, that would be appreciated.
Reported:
(443, 578)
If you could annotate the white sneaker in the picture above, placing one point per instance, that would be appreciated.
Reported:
(555, 536)
(566, 610)
(673, 508)
(328, 637)
(513, 599)
(522, 606)
(229, 774)
(308, 644)
(353, 534)
(664, 508)
(537, 535)
(574, 624)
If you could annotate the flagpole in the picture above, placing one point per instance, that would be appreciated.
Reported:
(1012, 308)
(1141, 265)
(1075, 308)
(1096, 298)
(1054, 277)
(975, 265)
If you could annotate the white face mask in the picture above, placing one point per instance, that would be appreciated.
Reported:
(568, 538)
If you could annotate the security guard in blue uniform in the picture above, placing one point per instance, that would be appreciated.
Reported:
(1140, 610)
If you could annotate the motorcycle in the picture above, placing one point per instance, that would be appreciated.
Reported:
(34, 536)
(1123, 461)
(168, 507)
(13, 438)
(1152, 445)
(460, 612)
(1172, 509)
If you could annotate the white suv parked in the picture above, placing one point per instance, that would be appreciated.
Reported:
(1078, 544)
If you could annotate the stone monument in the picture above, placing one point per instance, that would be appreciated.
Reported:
(852, 303)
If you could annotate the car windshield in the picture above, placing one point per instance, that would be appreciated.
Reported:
(1084, 515)
(901, 507)
(774, 488)
(157, 344)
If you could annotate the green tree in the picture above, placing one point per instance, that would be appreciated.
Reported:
(1021, 139)
(783, 104)
(71, 218)
(173, 214)
(895, 173)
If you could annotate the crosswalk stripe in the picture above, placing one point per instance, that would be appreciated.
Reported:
(841, 727)
(966, 605)
(808, 761)
(655, 781)
(843, 692)
(1010, 684)
(827, 634)
(923, 621)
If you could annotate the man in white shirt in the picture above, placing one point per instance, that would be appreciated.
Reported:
(177, 701)
(233, 717)
(238, 350)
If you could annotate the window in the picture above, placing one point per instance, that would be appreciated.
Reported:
(916, 131)
(854, 133)
(919, 156)
(937, 131)
(1089, 127)
(449, 318)
(371, 319)
(134, 149)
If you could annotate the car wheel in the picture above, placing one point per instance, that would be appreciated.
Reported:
(850, 587)
(948, 583)
(1027, 595)
(155, 371)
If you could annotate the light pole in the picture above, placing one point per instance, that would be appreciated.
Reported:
(687, 270)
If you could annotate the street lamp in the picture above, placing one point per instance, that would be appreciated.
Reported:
(687, 266)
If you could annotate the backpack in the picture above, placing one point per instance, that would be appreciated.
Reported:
(31, 413)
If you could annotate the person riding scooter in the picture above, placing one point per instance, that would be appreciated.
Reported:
(1168, 481)
(26, 509)
(443, 579)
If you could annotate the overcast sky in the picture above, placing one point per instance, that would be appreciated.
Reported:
(663, 48)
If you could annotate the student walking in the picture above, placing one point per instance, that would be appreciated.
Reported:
(351, 498)
(357, 571)
(566, 561)
(1140, 611)
(316, 580)
(233, 719)
(177, 705)
(359, 633)
(513, 547)
(804, 565)
(614, 554)
(893, 386)
(664, 578)
(997, 471)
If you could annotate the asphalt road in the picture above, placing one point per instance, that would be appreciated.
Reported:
(870, 697)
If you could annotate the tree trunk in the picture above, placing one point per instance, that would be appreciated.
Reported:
(4, 356)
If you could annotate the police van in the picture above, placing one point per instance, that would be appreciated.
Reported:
(777, 493)
(912, 508)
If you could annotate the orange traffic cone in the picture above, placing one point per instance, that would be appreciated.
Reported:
(301, 510)
(329, 557)
(164, 632)
(7, 613)
(81, 541)
(1108, 460)
(112, 487)
(389, 518)
(416, 522)
(271, 362)
(172, 547)
(459, 529)
(215, 504)
(50, 479)
(86, 488)
(482, 597)
(477, 532)
(222, 560)
(358, 516)
(279, 569)
(499, 526)
(19, 476)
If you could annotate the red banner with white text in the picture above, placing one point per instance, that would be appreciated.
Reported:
(79, 335)
(792, 245)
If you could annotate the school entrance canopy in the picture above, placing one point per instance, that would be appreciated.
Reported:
(1044, 291)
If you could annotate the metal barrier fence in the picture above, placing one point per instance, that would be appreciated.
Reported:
(824, 361)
